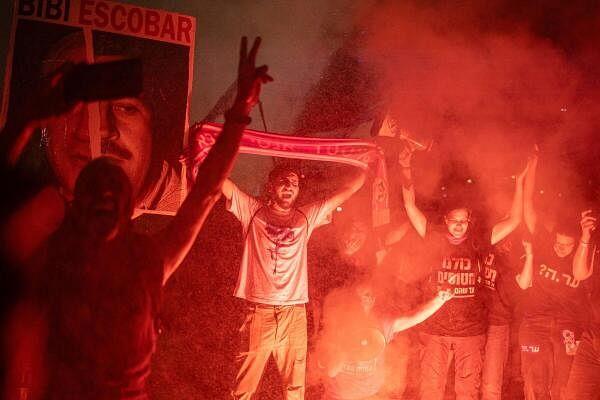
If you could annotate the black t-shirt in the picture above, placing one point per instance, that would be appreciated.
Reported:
(499, 273)
(101, 315)
(554, 292)
(592, 286)
(459, 268)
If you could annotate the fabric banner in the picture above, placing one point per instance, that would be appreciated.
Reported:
(144, 134)
(358, 153)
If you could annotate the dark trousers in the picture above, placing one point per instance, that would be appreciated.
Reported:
(547, 352)
(437, 357)
(496, 358)
(584, 380)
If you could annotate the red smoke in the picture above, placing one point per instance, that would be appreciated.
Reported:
(487, 82)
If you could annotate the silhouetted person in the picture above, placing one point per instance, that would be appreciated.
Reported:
(100, 283)
(356, 332)
(502, 293)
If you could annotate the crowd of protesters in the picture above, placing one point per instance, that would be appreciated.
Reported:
(84, 290)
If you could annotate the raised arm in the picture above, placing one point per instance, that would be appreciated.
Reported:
(529, 213)
(177, 239)
(583, 266)
(423, 312)
(415, 216)
(227, 188)
(503, 228)
(346, 191)
(524, 278)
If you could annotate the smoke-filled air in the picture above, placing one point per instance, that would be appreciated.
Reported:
(321, 200)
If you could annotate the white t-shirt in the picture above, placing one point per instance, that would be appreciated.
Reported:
(274, 268)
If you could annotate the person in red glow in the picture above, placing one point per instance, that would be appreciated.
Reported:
(501, 294)
(584, 378)
(554, 314)
(99, 283)
(354, 321)
(454, 251)
(273, 277)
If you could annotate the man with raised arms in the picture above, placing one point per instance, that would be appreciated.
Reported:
(273, 279)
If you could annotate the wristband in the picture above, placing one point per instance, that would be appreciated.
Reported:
(584, 243)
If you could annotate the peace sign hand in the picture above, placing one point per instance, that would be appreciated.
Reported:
(250, 78)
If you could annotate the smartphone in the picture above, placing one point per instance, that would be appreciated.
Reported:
(104, 81)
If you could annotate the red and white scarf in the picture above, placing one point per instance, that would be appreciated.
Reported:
(359, 153)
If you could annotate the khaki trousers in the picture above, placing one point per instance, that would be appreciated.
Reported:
(272, 330)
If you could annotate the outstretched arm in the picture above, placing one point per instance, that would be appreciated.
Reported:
(524, 278)
(177, 239)
(425, 311)
(529, 213)
(416, 217)
(503, 228)
(345, 192)
(583, 266)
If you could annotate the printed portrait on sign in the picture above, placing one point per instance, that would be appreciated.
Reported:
(142, 133)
